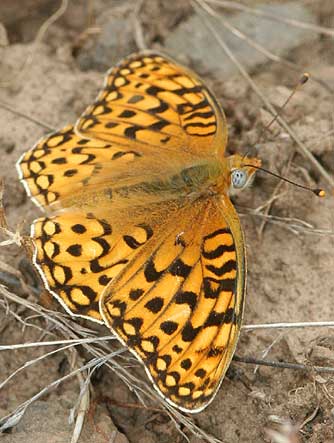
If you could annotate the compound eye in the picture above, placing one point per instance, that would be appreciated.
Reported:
(238, 178)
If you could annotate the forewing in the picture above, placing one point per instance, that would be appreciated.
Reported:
(153, 115)
(150, 100)
(62, 164)
(178, 306)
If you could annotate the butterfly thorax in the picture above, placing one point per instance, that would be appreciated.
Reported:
(195, 181)
(189, 182)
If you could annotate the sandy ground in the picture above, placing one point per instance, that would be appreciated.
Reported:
(290, 276)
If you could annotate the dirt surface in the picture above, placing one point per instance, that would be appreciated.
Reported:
(290, 257)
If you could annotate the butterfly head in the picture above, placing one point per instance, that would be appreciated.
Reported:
(242, 170)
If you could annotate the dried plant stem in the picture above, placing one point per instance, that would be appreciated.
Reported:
(137, 26)
(26, 117)
(84, 397)
(74, 342)
(293, 224)
(283, 365)
(286, 325)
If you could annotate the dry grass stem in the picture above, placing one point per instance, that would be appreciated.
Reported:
(36, 121)
(137, 26)
(293, 224)
(289, 325)
(283, 365)
(268, 349)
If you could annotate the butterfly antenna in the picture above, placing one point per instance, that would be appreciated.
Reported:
(303, 79)
(317, 191)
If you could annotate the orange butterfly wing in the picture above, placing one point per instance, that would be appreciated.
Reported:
(178, 304)
(152, 103)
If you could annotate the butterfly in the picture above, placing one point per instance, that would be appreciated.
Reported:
(139, 232)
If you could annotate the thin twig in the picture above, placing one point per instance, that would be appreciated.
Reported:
(286, 325)
(25, 116)
(310, 418)
(283, 365)
(82, 405)
(74, 342)
(293, 224)
(138, 29)
(268, 349)
(3, 219)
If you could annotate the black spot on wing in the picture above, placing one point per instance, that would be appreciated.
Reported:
(131, 242)
(213, 287)
(204, 115)
(104, 280)
(201, 125)
(163, 106)
(180, 269)
(169, 327)
(186, 364)
(189, 333)
(136, 98)
(157, 126)
(96, 267)
(131, 131)
(200, 373)
(177, 349)
(127, 113)
(121, 305)
(186, 297)
(215, 351)
(224, 269)
(183, 91)
(151, 274)
(183, 108)
(155, 304)
(75, 250)
(154, 90)
(135, 294)
(59, 161)
(217, 232)
(218, 252)
(218, 318)
(111, 125)
(56, 250)
(104, 245)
